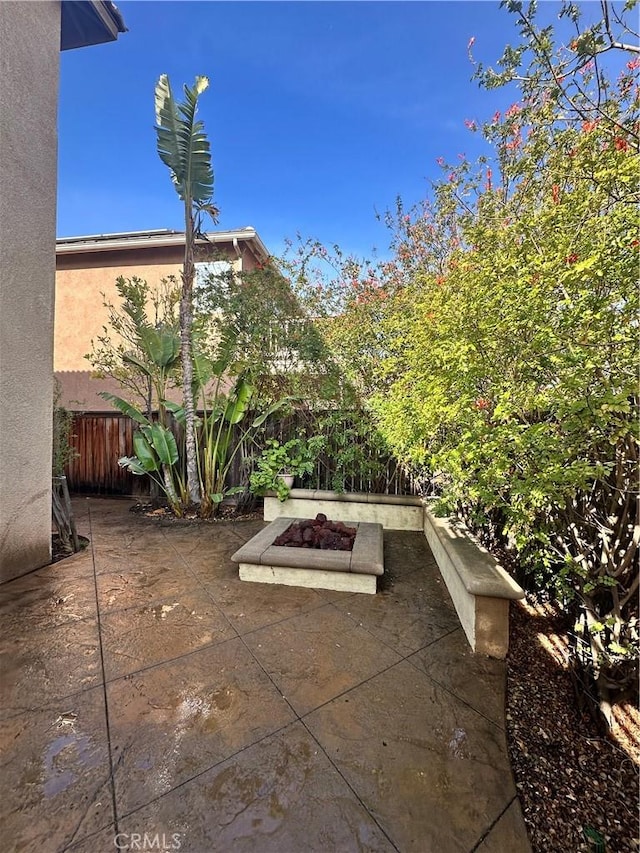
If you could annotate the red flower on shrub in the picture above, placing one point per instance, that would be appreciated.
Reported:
(620, 143)
(572, 258)
(588, 126)
(481, 404)
(555, 192)
(489, 177)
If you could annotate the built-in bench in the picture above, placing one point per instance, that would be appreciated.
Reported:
(395, 512)
(479, 587)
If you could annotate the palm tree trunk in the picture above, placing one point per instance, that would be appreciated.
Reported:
(186, 324)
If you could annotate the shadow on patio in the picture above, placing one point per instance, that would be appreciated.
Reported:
(147, 690)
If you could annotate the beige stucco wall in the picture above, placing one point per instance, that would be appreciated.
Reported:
(80, 282)
(81, 279)
(29, 61)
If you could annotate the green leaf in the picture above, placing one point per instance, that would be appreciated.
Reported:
(595, 839)
(161, 345)
(203, 372)
(238, 402)
(132, 358)
(164, 444)
(234, 490)
(144, 452)
(177, 410)
(270, 411)
(182, 144)
(132, 464)
(225, 351)
(124, 407)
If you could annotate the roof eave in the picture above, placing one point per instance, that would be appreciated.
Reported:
(89, 22)
(76, 245)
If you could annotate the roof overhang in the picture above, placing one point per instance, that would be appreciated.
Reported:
(155, 239)
(87, 22)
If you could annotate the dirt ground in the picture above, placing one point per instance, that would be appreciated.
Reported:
(578, 788)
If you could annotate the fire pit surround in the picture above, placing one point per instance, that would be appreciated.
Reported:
(262, 560)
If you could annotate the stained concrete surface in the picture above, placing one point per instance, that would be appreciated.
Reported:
(146, 690)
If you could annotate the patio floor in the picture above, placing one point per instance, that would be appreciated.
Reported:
(146, 690)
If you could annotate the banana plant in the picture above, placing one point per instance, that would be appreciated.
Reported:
(222, 413)
(160, 350)
(156, 454)
(183, 147)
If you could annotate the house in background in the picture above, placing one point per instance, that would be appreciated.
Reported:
(87, 267)
(31, 38)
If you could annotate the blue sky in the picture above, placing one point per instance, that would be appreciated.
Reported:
(318, 113)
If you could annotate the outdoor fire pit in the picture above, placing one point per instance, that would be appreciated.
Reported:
(318, 532)
(321, 567)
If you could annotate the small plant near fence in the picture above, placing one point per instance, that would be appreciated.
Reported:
(295, 458)
(63, 453)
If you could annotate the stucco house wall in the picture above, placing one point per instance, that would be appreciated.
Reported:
(29, 63)
(80, 282)
(31, 37)
(83, 275)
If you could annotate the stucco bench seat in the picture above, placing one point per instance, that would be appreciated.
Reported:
(480, 588)
(393, 512)
(351, 571)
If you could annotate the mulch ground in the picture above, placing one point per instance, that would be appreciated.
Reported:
(578, 788)
(159, 511)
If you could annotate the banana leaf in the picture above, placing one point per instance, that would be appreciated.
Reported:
(144, 452)
(125, 408)
(163, 442)
(182, 143)
(162, 345)
(177, 410)
(275, 407)
(131, 358)
(238, 402)
(132, 464)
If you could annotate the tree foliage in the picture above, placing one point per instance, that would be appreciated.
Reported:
(498, 347)
(139, 347)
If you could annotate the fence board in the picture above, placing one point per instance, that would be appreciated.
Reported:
(100, 439)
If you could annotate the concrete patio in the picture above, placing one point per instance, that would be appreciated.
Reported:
(146, 691)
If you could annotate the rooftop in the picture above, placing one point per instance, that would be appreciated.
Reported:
(155, 238)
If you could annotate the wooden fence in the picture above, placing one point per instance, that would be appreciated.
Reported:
(100, 439)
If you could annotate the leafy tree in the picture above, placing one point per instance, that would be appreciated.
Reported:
(571, 74)
(276, 338)
(498, 348)
(140, 346)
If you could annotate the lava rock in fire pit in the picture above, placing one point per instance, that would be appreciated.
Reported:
(318, 533)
